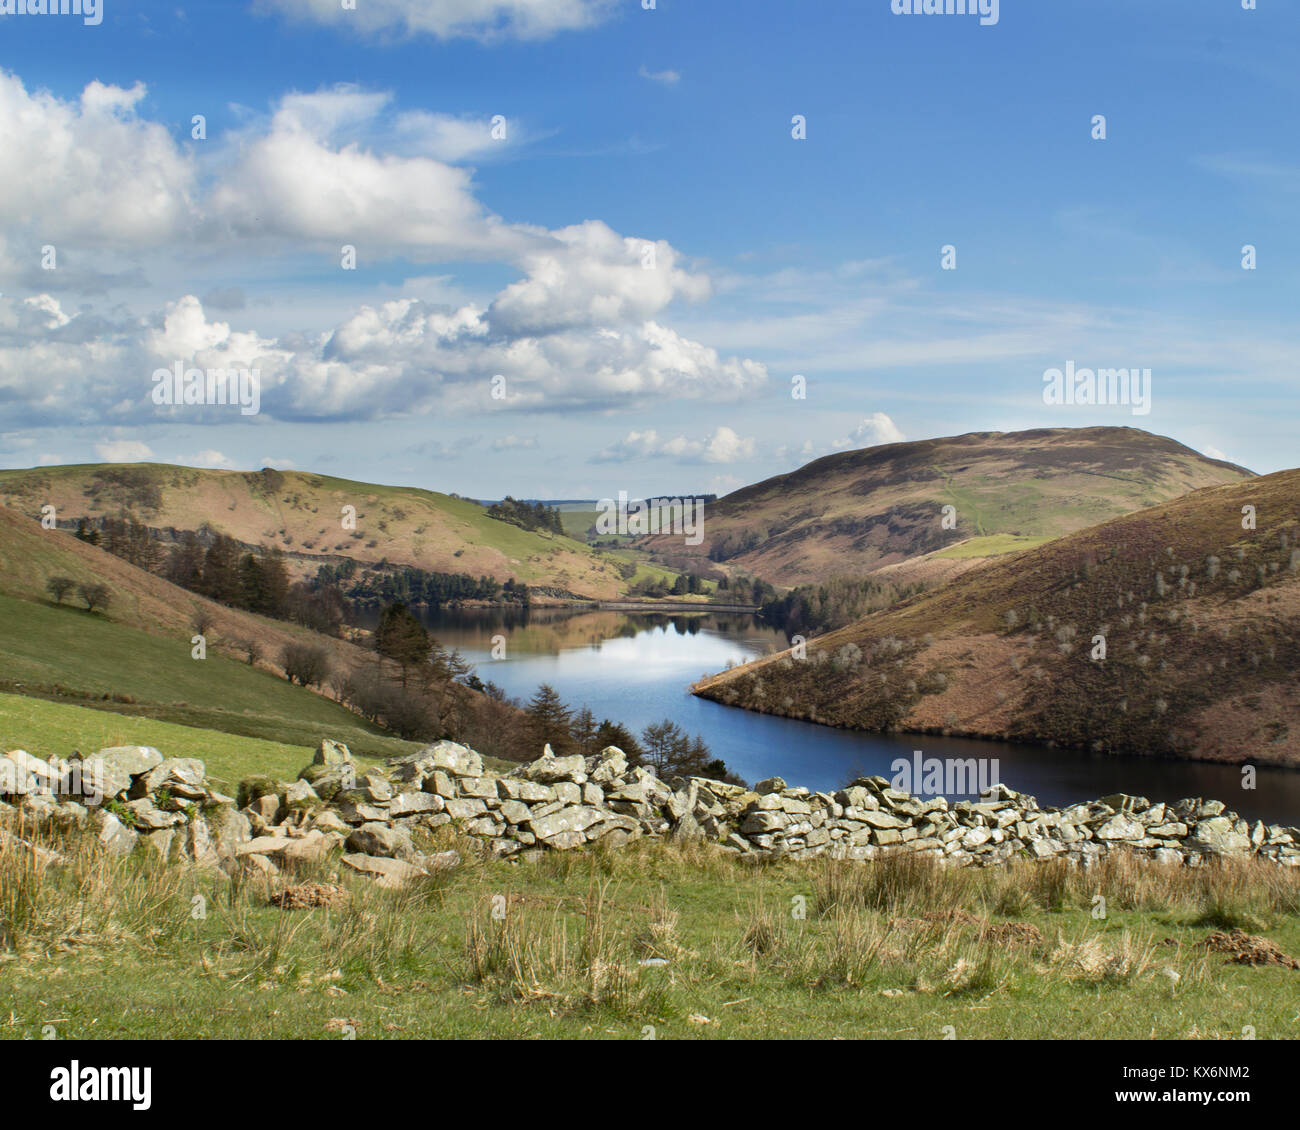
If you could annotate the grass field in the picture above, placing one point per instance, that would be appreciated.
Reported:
(891, 950)
(64, 652)
(54, 729)
(992, 546)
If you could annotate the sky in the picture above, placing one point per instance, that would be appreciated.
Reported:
(646, 245)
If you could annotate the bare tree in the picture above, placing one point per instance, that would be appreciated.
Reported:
(95, 596)
(304, 664)
(59, 587)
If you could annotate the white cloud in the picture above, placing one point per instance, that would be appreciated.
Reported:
(487, 20)
(208, 458)
(90, 170)
(874, 430)
(723, 446)
(123, 451)
(668, 78)
(590, 275)
(578, 329)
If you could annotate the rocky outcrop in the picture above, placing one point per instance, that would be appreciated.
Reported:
(380, 819)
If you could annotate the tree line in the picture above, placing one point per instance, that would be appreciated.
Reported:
(527, 515)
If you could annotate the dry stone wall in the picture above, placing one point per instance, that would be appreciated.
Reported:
(379, 817)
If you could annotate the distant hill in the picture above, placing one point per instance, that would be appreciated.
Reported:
(302, 514)
(856, 512)
(1200, 620)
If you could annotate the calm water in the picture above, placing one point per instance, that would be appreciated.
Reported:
(635, 668)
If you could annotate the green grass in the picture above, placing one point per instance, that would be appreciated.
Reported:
(66, 653)
(55, 729)
(991, 546)
(576, 523)
(432, 962)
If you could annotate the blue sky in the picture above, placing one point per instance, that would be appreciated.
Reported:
(520, 256)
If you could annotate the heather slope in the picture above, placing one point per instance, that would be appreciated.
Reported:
(1200, 620)
(855, 512)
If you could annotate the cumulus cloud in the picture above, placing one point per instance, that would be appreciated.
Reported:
(486, 20)
(874, 430)
(123, 451)
(580, 328)
(90, 170)
(723, 446)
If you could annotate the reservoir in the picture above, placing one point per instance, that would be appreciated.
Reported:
(636, 668)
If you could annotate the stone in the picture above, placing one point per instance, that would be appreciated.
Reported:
(146, 816)
(112, 834)
(329, 781)
(465, 809)
(355, 813)
(757, 823)
(1120, 828)
(393, 873)
(380, 839)
(332, 753)
(180, 776)
(770, 785)
(607, 766)
(548, 769)
(409, 804)
(22, 773)
(133, 760)
(575, 819)
(453, 758)
(300, 796)
(481, 787)
(528, 791)
(1122, 802)
(1218, 836)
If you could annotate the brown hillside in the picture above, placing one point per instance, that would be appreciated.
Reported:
(856, 512)
(1200, 619)
(302, 515)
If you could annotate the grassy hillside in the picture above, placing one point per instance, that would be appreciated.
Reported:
(67, 653)
(55, 729)
(1200, 619)
(30, 555)
(302, 514)
(852, 513)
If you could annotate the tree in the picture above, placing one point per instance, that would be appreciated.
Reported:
(665, 744)
(550, 720)
(59, 587)
(85, 533)
(402, 638)
(616, 734)
(304, 664)
(95, 595)
(202, 620)
(584, 732)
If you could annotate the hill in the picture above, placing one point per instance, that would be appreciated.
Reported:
(303, 515)
(136, 659)
(856, 512)
(1174, 632)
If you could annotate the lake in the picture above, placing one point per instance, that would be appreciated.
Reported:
(636, 667)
